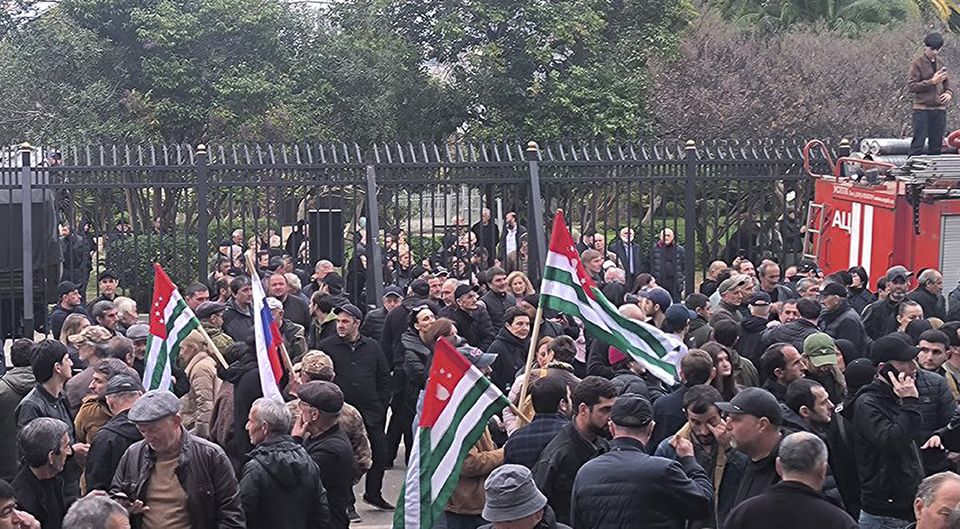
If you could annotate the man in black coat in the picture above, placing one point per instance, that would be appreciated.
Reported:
(488, 234)
(551, 404)
(374, 320)
(396, 322)
(364, 377)
(929, 294)
(886, 414)
(769, 274)
(498, 297)
(70, 303)
(473, 323)
(838, 318)
(780, 365)
(667, 263)
(318, 429)
(244, 374)
(880, 317)
(280, 485)
(511, 347)
(44, 447)
(795, 502)
(628, 488)
(113, 439)
(754, 423)
(668, 415)
(295, 308)
(628, 253)
(795, 332)
(238, 318)
(576, 444)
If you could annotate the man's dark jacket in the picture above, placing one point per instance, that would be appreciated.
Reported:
(281, 487)
(244, 374)
(396, 324)
(844, 323)
(758, 477)
(238, 323)
(497, 305)
(44, 499)
(58, 315)
(526, 444)
(664, 258)
(373, 322)
(934, 306)
(937, 407)
(297, 310)
(474, 326)
(668, 416)
(362, 374)
(789, 505)
(108, 446)
(793, 333)
(751, 337)
(14, 385)
(880, 318)
(628, 487)
(332, 452)
(558, 465)
(511, 356)
(887, 458)
(632, 261)
(204, 472)
(859, 298)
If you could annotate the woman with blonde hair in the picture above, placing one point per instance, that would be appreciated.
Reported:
(71, 327)
(196, 407)
(519, 285)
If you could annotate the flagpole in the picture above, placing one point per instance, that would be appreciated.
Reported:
(531, 351)
(283, 350)
(212, 346)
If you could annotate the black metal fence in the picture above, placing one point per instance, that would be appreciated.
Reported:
(128, 206)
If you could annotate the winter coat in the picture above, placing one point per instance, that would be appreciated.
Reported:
(751, 337)
(781, 293)
(474, 326)
(844, 323)
(204, 472)
(803, 507)
(281, 487)
(296, 310)
(698, 334)
(758, 476)
(628, 487)
(320, 330)
(725, 310)
(416, 367)
(859, 298)
(396, 324)
(44, 499)
(525, 445)
(937, 407)
(953, 305)
(484, 456)
(555, 471)
(504, 233)
(196, 407)
(671, 278)
(238, 323)
(880, 318)
(497, 305)
(14, 385)
(294, 339)
(58, 315)
(668, 416)
(887, 459)
(793, 333)
(362, 374)
(511, 358)
(244, 376)
(331, 451)
(93, 414)
(598, 360)
(373, 321)
(934, 306)
(106, 450)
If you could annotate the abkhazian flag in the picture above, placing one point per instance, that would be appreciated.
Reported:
(457, 404)
(171, 320)
(569, 289)
(268, 338)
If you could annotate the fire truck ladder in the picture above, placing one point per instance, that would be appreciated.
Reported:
(812, 238)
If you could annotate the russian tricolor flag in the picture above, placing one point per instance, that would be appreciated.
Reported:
(268, 337)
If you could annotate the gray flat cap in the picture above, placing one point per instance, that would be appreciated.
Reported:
(138, 331)
(123, 384)
(154, 405)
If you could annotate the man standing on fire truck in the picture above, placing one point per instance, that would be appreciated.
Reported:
(931, 95)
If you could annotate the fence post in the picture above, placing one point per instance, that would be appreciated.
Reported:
(690, 217)
(26, 195)
(374, 256)
(203, 213)
(536, 233)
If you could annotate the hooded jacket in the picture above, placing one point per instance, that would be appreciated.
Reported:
(281, 487)
(106, 450)
(14, 385)
(859, 298)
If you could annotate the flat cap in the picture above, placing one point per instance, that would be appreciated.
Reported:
(209, 308)
(735, 281)
(833, 289)
(631, 410)
(154, 405)
(324, 396)
(138, 331)
(123, 384)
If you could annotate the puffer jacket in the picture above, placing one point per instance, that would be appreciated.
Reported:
(844, 323)
(204, 472)
(474, 326)
(196, 407)
(511, 357)
(14, 385)
(859, 298)
(658, 264)
(416, 366)
(888, 461)
(281, 487)
(468, 497)
(627, 485)
(106, 450)
(238, 323)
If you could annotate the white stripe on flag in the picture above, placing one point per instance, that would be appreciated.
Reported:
(440, 426)
(452, 455)
(268, 384)
(411, 499)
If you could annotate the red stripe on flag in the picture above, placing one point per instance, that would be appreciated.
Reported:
(162, 292)
(273, 352)
(561, 243)
(447, 369)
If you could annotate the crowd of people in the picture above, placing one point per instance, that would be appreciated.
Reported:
(802, 400)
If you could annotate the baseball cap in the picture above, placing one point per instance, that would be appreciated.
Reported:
(106, 274)
(631, 410)
(463, 290)
(754, 401)
(894, 346)
(821, 349)
(732, 282)
(440, 272)
(350, 309)
(66, 287)
(833, 289)
(420, 287)
(898, 272)
(333, 281)
(807, 266)
(659, 296)
(393, 291)
(209, 308)
(760, 299)
(678, 315)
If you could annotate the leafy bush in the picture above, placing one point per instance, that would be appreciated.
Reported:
(132, 259)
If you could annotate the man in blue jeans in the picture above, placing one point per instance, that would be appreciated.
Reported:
(931, 94)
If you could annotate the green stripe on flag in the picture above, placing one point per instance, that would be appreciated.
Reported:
(157, 376)
(443, 445)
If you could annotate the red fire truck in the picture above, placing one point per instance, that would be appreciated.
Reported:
(877, 215)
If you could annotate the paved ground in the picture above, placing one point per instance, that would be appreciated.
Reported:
(375, 518)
